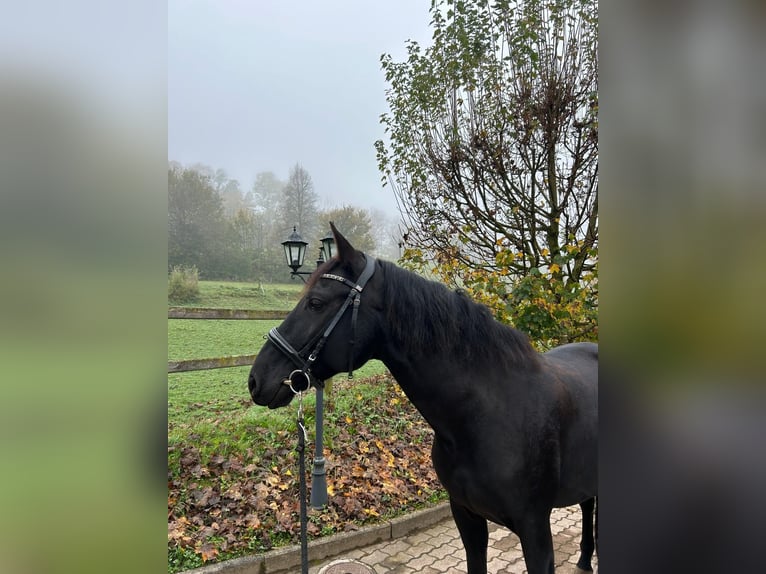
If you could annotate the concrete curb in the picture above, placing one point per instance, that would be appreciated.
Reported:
(289, 558)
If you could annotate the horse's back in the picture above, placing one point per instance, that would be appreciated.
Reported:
(576, 363)
(587, 353)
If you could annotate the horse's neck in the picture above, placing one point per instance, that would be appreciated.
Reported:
(448, 395)
(426, 383)
(437, 381)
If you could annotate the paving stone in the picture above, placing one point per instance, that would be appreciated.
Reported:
(497, 564)
(514, 554)
(375, 557)
(419, 564)
(356, 554)
(493, 552)
(420, 538)
(437, 549)
(506, 542)
(448, 563)
(442, 551)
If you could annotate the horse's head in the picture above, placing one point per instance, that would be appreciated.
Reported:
(331, 330)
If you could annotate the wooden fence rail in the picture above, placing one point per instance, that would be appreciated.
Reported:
(217, 362)
(214, 363)
(200, 313)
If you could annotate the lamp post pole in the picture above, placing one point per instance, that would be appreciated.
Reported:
(295, 250)
(318, 473)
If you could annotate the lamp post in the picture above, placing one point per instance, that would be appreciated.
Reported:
(295, 251)
(328, 246)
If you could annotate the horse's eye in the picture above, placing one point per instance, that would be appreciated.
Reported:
(315, 304)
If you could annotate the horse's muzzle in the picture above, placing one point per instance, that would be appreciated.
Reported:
(281, 396)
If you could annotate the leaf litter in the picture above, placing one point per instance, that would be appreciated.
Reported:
(378, 464)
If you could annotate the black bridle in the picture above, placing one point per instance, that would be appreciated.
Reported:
(300, 379)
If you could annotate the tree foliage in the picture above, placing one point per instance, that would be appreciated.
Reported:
(299, 204)
(492, 152)
(225, 234)
(386, 231)
(196, 222)
(200, 233)
(264, 200)
(355, 224)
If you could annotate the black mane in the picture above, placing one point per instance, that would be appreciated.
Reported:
(425, 315)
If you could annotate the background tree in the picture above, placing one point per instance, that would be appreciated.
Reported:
(201, 232)
(355, 224)
(387, 234)
(226, 235)
(264, 200)
(196, 223)
(243, 228)
(266, 194)
(299, 205)
(232, 198)
(492, 153)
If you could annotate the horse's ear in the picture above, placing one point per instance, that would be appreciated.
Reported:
(346, 252)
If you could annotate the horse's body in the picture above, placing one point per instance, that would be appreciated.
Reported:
(515, 430)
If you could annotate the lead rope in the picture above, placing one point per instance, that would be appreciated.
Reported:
(302, 439)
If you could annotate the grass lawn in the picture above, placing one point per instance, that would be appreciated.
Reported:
(232, 484)
(203, 338)
(241, 295)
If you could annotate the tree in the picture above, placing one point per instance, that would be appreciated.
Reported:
(196, 223)
(355, 224)
(299, 205)
(492, 150)
(245, 227)
(232, 198)
(266, 194)
(385, 231)
(264, 201)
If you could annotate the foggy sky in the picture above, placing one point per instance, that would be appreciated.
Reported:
(258, 86)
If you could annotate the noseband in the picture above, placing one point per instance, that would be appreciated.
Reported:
(300, 379)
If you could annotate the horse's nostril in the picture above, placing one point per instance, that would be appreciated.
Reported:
(252, 385)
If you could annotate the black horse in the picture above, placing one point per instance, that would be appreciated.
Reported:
(515, 430)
